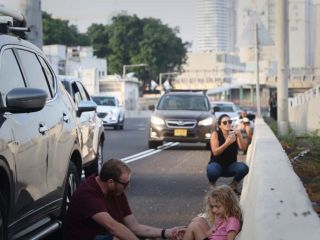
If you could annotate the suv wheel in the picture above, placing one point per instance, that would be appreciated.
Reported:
(72, 183)
(97, 163)
(3, 218)
(155, 144)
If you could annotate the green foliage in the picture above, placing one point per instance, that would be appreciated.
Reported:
(127, 40)
(130, 40)
(57, 31)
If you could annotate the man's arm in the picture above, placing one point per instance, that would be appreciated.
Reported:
(148, 231)
(115, 228)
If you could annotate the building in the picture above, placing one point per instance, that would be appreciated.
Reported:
(205, 70)
(301, 28)
(216, 25)
(78, 62)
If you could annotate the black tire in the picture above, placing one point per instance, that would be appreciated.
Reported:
(154, 144)
(116, 127)
(97, 163)
(72, 183)
(3, 218)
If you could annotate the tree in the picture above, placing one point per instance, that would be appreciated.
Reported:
(130, 40)
(58, 31)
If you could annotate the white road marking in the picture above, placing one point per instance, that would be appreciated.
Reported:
(149, 152)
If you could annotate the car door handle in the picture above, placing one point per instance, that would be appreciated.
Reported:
(43, 128)
(66, 118)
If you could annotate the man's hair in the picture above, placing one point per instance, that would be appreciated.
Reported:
(113, 169)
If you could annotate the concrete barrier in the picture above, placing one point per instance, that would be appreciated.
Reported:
(304, 116)
(274, 201)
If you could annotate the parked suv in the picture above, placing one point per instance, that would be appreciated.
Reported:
(181, 117)
(40, 152)
(110, 111)
(92, 130)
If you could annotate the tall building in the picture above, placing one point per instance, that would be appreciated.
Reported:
(301, 16)
(216, 25)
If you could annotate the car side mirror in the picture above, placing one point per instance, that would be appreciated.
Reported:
(25, 100)
(86, 106)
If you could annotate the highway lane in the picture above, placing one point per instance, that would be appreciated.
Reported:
(168, 185)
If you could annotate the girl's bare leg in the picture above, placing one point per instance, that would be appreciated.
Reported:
(197, 229)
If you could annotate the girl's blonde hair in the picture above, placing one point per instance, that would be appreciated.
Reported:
(225, 196)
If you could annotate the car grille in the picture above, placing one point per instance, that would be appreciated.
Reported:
(180, 123)
(102, 115)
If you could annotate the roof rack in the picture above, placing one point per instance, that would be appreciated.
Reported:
(12, 21)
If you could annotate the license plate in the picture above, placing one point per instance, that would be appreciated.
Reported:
(180, 132)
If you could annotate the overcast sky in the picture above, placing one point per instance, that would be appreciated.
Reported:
(83, 13)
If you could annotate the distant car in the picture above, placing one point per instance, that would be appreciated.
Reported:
(110, 111)
(91, 126)
(181, 117)
(225, 107)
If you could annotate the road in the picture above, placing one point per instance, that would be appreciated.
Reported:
(169, 185)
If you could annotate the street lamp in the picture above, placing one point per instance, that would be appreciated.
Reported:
(132, 65)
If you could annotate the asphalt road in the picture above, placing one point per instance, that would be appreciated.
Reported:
(168, 186)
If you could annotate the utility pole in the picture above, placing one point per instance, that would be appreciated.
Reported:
(257, 70)
(282, 57)
(317, 39)
(31, 9)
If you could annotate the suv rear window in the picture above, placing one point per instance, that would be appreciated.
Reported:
(184, 102)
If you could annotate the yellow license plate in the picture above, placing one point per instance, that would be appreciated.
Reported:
(180, 132)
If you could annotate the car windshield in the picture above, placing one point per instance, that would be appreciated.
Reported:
(183, 102)
(104, 101)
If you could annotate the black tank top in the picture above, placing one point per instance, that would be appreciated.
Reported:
(228, 156)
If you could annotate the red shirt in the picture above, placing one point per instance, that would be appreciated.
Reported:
(86, 201)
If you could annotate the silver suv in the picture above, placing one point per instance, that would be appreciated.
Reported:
(40, 152)
(91, 126)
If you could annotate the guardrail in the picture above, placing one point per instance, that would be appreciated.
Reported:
(274, 200)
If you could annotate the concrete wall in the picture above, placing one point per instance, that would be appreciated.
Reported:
(273, 199)
(304, 116)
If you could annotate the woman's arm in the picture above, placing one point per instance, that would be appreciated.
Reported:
(242, 142)
(231, 235)
(214, 142)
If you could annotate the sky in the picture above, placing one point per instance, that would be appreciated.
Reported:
(82, 13)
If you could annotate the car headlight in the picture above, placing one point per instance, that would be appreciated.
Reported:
(157, 121)
(110, 113)
(206, 122)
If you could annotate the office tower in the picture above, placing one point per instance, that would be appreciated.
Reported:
(216, 25)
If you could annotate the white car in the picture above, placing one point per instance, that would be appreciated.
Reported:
(110, 111)
(224, 107)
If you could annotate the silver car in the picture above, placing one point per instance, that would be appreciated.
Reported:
(91, 127)
(110, 111)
